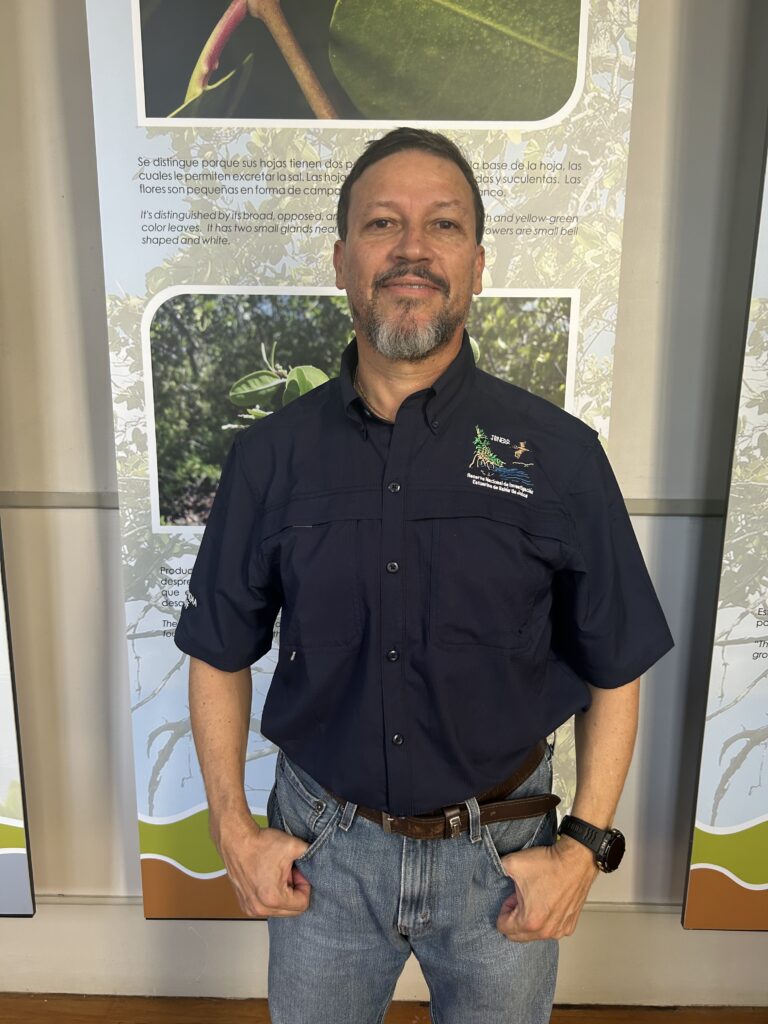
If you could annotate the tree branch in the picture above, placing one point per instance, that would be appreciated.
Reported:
(208, 61)
(270, 12)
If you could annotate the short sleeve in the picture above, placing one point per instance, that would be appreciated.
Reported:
(230, 610)
(608, 624)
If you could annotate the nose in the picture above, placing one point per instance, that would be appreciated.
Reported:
(413, 245)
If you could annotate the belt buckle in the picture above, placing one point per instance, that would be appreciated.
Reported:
(452, 822)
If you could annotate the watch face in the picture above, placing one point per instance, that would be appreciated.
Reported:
(611, 855)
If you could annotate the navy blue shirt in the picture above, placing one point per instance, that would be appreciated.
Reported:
(449, 584)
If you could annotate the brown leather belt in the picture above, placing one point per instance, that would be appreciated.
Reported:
(450, 822)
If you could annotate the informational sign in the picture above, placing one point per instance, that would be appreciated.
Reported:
(224, 131)
(728, 875)
(17, 898)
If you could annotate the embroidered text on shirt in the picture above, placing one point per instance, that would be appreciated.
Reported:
(494, 473)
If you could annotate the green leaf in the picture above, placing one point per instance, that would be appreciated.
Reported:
(221, 98)
(300, 380)
(495, 60)
(244, 391)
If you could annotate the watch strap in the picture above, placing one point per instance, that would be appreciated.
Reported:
(583, 832)
(608, 845)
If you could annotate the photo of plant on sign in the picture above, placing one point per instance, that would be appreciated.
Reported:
(352, 59)
(219, 362)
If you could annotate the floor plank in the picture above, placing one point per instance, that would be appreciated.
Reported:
(22, 1008)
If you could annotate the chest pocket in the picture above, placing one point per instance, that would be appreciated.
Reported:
(314, 556)
(491, 579)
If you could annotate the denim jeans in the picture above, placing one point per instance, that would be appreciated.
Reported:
(378, 897)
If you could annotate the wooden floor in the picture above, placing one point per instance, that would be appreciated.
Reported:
(40, 1009)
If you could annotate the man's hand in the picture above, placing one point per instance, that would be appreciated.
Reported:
(260, 866)
(551, 885)
(552, 882)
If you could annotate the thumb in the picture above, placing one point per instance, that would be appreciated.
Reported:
(296, 892)
(513, 864)
(521, 864)
(300, 881)
(511, 903)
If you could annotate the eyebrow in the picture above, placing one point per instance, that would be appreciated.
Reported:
(439, 204)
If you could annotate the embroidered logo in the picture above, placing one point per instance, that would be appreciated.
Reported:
(493, 472)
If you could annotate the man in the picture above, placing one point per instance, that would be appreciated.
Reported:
(458, 576)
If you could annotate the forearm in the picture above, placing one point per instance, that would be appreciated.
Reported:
(259, 861)
(220, 707)
(605, 740)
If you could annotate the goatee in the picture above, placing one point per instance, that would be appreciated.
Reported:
(405, 338)
(402, 336)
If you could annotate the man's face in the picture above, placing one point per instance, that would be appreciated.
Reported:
(410, 263)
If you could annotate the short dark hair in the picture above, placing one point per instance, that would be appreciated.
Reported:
(409, 138)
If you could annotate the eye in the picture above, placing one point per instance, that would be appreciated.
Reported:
(447, 225)
(380, 223)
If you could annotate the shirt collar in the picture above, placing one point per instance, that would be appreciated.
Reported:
(441, 396)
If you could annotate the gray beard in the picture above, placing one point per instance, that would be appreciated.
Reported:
(403, 339)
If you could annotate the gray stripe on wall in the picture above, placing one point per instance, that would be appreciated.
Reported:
(108, 500)
(58, 499)
(676, 507)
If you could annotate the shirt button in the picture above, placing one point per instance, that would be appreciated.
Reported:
(435, 424)
(393, 655)
(393, 567)
(394, 487)
(397, 739)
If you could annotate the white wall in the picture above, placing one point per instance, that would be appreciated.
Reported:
(701, 91)
(696, 159)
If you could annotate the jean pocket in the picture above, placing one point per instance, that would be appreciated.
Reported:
(302, 808)
(503, 837)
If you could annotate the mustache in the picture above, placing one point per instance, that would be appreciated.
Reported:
(408, 271)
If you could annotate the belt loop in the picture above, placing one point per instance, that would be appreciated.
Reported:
(474, 819)
(348, 816)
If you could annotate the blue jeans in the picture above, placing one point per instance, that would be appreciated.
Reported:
(377, 897)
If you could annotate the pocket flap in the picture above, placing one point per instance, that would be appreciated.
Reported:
(544, 519)
(321, 508)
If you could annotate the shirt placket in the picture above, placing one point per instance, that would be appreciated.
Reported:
(392, 574)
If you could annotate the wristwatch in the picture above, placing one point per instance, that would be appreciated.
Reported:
(608, 845)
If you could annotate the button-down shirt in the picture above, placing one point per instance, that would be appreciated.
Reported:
(448, 584)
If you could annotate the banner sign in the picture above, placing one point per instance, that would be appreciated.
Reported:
(728, 874)
(17, 898)
(224, 130)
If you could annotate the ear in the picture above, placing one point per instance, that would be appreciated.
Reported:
(477, 284)
(338, 263)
